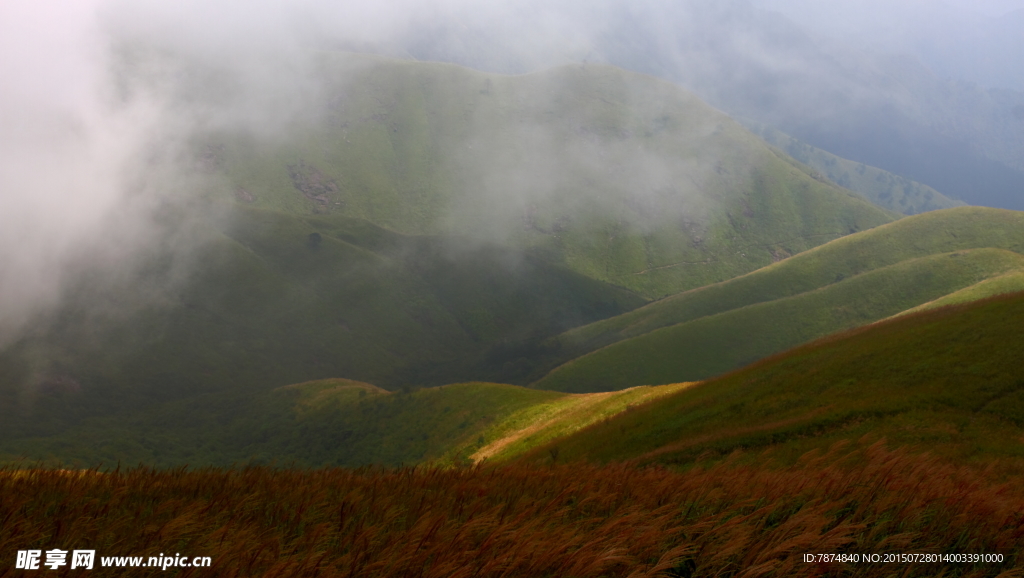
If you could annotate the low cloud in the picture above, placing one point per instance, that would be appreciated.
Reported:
(102, 101)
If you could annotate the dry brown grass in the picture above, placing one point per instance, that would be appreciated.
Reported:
(563, 520)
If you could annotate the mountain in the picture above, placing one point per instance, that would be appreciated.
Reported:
(883, 109)
(848, 282)
(420, 224)
(619, 176)
(946, 380)
(272, 298)
(871, 104)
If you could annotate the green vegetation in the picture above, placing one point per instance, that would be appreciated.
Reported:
(320, 423)
(316, 395)
(417, 224)
(881, 187)
(1011, 282)
(261, 308)
(335, 422)
(618, 176)
(947, 380)
(557, 417)
(718, 343)
(389, 429)
(851, 281)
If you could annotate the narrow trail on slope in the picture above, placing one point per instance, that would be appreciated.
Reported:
(579, 413)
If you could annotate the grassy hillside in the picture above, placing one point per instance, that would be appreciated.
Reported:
(618, 176)
(829, 269)
(554, 418)
(881, 187)
(418, 224)
(1011, 282)
(273, 298)
(334, 422)
(392, 429)
(718, 343)
(948, 381)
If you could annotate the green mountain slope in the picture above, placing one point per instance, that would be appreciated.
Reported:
(718, 343)
(332, 422)
(1011, 282)
(881, 187)
(618, 176)
(832, 264)
(557, 417)
(325, 422)
(267, 304)
(947, 380)
(419, 224)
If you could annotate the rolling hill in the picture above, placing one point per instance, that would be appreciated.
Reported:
(852, 281)
(332, 422)
(418, 224)
(946, 380)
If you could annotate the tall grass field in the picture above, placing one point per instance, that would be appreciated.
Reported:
(836, 514)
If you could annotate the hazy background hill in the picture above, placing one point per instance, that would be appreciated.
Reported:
(876, 103)
(619, 176)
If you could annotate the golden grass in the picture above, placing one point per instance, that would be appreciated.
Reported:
(536, 425)
(564, 520)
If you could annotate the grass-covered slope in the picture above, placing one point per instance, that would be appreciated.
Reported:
(847, 282)
(948, 380)
(455, 424)
(273, 298)
(333, 422)
(718, 343)
(277, 298)
(1011, 282)
(554, 418)
(392, 429)
(619, 176)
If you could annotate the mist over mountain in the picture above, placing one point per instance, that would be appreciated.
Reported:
(111, 103)
(452, 255)
(220, 196)
(874, 103)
